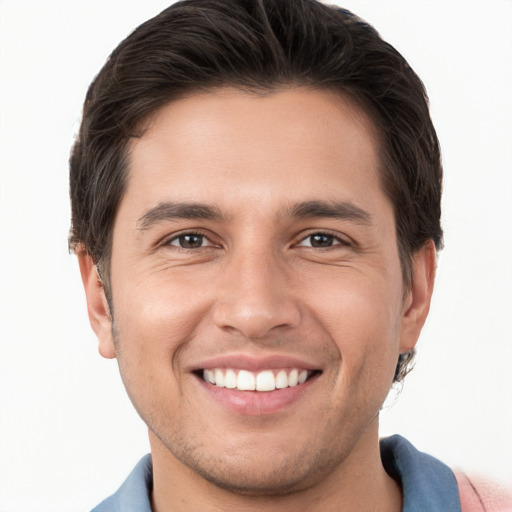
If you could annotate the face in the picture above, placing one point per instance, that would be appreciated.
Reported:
(257, 293)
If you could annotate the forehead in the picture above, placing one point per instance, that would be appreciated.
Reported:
(216, 143)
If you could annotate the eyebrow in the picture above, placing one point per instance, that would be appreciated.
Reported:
(174, 210)
(331, 209)
(200, 211)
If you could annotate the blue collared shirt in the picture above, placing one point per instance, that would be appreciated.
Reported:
(427, 484)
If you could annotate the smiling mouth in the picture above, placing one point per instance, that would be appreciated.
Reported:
(264, 381)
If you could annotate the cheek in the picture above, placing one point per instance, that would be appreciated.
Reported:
(362, 317)
(163, 305)
(153, 322)
(151, 332)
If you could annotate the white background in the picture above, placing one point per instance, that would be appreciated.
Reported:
(68, 434)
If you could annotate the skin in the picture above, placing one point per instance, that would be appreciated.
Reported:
(256, 286)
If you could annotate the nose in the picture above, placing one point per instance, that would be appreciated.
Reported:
(256, 297)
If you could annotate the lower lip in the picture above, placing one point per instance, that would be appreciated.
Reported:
(257, 403)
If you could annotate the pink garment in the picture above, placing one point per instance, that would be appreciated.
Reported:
(479, 495)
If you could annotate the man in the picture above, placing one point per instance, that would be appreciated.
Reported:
(256, 212)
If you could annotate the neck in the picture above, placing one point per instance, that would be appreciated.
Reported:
(359, 483)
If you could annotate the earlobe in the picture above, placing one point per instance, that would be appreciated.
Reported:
(97, 305)
(417, 302)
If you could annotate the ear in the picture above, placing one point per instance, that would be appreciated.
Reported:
(97, 305)
(417, 300)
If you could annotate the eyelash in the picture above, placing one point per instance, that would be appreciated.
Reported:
(336, 240)
(169, 241)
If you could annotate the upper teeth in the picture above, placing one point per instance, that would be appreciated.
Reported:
(266, 380)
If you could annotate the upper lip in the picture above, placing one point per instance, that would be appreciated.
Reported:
(255, 364)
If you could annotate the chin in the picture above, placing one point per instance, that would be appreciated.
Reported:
(250, 480)
(261, 472)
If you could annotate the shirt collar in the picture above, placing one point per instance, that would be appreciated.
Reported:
(428, 485)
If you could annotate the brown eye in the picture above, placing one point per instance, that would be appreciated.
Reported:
(189, 241)
(321, 240)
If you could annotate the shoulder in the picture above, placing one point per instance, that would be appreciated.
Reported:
(135, 493)
(107, 505)
(481, 495)
(430, 485)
